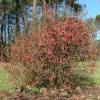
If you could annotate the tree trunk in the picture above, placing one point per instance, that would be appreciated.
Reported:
(34, 8)
(9, 35)
(1, 38)
(44, 8)
(34, 15)
(2, 44)
(17, 19)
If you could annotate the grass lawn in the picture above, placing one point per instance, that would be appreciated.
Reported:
(96, 75)
(5, 84)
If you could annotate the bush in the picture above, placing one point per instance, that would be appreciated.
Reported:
(35, 90)
(52, 56)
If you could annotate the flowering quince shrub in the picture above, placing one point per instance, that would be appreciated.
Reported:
(52, 55)
(22, 49)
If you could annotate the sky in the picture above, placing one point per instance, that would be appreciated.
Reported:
(92, 7)
(98, 36)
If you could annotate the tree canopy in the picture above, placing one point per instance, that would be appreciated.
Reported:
(97, 19)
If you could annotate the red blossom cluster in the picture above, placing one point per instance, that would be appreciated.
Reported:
(22, 49)
(57, 38)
